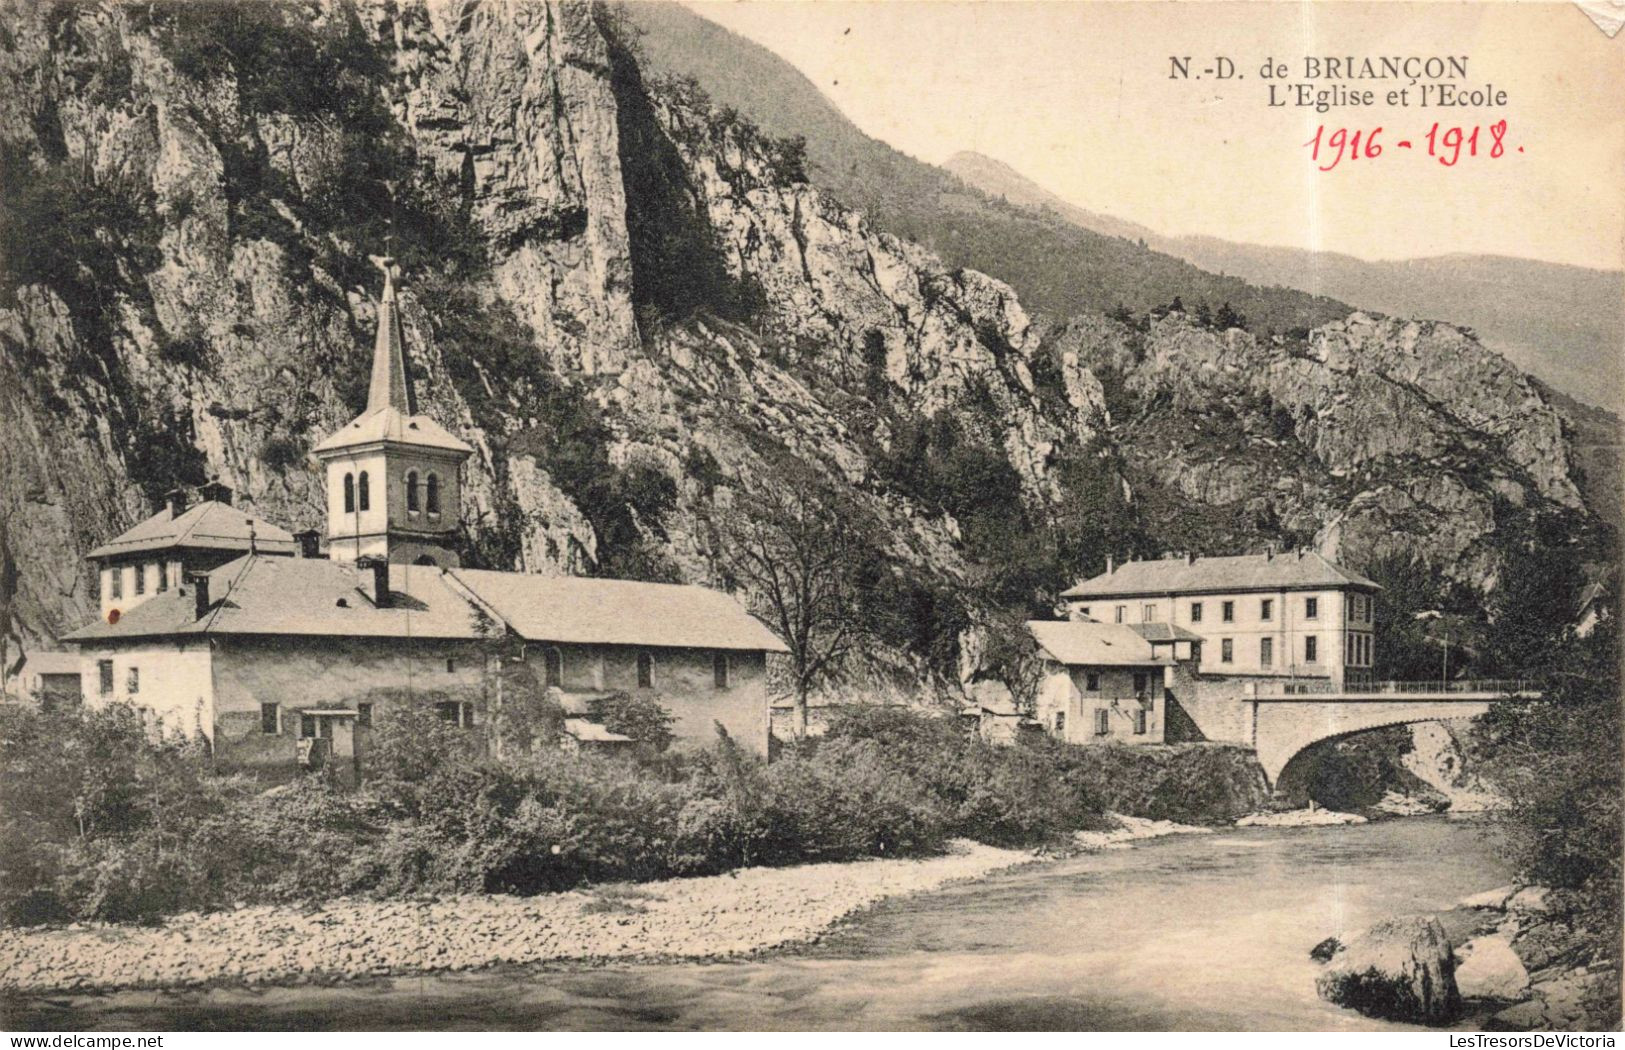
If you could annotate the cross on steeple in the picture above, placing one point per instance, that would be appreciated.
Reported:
(391, 387)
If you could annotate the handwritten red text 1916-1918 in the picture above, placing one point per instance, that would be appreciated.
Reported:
(1447, 145)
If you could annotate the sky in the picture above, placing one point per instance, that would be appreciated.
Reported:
(1078, 97)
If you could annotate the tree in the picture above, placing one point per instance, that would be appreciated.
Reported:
(798, 547)
(1558, 763)
(1228, 317)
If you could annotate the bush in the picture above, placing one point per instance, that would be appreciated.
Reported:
(845, 798)
(640, 717)
(1010, 796)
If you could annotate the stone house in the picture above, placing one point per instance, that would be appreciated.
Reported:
(179, 538)
(696, 650)
(283, 662)
(1294, 616)
(49, 678)
(1102, 683)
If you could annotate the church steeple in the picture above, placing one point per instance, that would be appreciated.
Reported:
(391, 386)
(393, 485)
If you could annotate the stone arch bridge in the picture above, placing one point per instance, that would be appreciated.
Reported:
(1283, 725)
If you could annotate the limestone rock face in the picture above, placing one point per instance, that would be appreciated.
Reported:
(1400, 969)
(1371, 436)
(1488, 968)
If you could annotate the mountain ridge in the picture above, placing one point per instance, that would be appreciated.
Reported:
(1551, 301)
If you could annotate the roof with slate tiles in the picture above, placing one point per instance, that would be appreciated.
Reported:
(1247, 572)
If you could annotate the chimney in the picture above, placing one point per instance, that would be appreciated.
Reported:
(1300, 554)
(1269, 552)
(216, 492)
(1190, 557)
(307, 540)
(1111, 565)
(200, 594)
(176, 501)
(380, 578)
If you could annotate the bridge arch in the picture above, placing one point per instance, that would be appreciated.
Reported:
(1282, 728)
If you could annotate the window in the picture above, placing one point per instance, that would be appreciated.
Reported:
(1148, 613)
(1103, 723)
(1139, 683)
(1196, 612)
(1227, 651)
(1311, 649)
(363, 714)
(349, 493)
(307, 726)
(1266, 609)
(1311, 608)
(1266, 652)
(1142, 721)
(1060, 721)
(141, 579)
(132, 681)
(115, 582)
(1121, 609)
(363, 495)
(1092, 681)
(1083, 610)
(646, 671)
(719, 670)
(104, 671)
(411, 492)
(163, 576)
(555, 668)
(434, 495)
(458, 714)
(1227, 612)
(271, 719)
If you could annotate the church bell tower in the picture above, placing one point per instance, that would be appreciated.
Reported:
(393, 475)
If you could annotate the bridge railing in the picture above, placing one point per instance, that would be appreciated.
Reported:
(1492, 686)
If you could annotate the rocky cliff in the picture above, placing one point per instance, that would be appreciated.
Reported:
(631, 304)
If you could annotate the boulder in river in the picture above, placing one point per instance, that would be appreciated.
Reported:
(1488, 968)
(1324, 951)
(1400, 969)
(1492, 900)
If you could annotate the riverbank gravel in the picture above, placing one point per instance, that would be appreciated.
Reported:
(1299, 818)
(711, 917)
(1131, 830)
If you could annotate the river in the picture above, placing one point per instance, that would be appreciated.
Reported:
(1208, 932)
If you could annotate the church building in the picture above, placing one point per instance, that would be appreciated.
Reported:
(227, 626)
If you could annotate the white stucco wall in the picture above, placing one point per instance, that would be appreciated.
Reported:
(1288, 625)
(1066, 692)
(369, 532)
(683, 683)
(175, 681)
(324, 674)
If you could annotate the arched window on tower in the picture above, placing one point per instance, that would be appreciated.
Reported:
(433, 495)
(412, 491)
(361, 496)
(349, 493)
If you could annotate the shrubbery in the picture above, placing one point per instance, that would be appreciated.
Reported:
(100, 821)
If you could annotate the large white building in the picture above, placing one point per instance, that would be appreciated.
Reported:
(222, 625)
(1293, 615)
